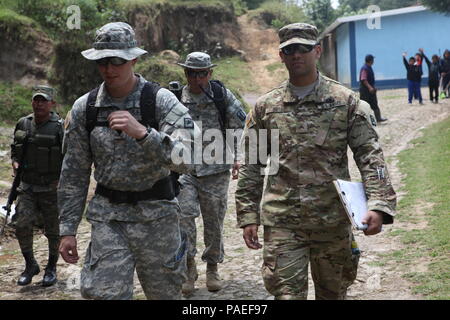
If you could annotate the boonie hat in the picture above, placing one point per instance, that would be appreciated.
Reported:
(45, 91)
(302, 33)
(115, 39)
(197, 60)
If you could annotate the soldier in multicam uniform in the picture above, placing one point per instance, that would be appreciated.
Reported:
(205, 190)
(303, 219)
(134, 213)
(36, 202)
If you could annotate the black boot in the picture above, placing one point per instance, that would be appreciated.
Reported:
(31, 269)
(50, 271)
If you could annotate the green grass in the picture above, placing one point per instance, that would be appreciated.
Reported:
(427, 171)
(274, 66)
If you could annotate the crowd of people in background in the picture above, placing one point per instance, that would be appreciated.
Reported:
(438, 75)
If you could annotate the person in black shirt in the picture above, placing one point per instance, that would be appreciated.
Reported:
(367, 90)
(414, 76)
(445, 72)
(434, 70)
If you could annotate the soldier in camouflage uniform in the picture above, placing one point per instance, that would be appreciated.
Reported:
(135, 221)
(304, 221)
(206, 189)
(36, 203)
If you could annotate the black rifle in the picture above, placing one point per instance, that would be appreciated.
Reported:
(13, 193)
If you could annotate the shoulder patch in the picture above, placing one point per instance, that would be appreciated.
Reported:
(241, 115)
(373, 121)
(188, 123)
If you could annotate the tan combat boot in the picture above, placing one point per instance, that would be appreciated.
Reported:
(192, 275)
(213, 281)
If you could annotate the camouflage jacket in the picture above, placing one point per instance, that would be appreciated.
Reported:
(314, 134)
(121, 162)
(206, 116)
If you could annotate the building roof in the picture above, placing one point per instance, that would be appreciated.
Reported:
(373, 15)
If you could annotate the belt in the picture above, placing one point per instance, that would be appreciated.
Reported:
(157, 192)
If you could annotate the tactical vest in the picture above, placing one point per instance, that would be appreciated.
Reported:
(167, 187)
(43, 157)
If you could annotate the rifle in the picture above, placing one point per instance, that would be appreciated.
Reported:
(13, 193)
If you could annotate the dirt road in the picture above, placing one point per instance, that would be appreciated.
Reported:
(241, 268)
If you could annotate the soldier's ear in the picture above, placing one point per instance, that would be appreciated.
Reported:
(133, 62)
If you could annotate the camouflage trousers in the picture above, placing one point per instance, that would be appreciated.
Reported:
(155, 249)
(36, 209)
(206, 195)
(288, 252)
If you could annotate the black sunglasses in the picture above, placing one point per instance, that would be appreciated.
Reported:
(301, 48)
(197, 74)
(115, 61)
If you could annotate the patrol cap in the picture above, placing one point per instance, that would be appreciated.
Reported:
(197, 60)
(115, 39)
(45, 91)
(302, 33)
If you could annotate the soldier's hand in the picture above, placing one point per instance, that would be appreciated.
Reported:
(15, 166)
(124, 121)
(251, 236)
(235, 170)
(68, 249)
(374, 221)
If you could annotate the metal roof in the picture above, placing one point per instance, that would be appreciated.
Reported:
(366, 16)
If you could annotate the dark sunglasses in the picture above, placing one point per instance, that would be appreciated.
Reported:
(301, 48)
(115, 61)
(197, 74)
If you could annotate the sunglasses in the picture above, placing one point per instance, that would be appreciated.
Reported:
(197, 74)
(301, 48)
(115, 61)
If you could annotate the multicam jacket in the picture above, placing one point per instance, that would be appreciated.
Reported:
(313, 137)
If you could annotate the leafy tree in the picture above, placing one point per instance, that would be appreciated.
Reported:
(253, 4)
(437, 5)
(320, 12)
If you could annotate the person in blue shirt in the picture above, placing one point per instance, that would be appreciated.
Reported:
(414, 76)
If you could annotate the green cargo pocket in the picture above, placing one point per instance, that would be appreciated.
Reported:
(55, 159)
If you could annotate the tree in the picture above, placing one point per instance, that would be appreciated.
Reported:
(320, 12)
(437, 5)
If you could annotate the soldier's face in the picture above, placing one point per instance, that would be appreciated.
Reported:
(41, 107)
(197, 78)
(117, 76)
(301, 64)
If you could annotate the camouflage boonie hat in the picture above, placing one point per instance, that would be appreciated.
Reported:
(197, 60)
(302, 33)
(45, 91)
(115, 39)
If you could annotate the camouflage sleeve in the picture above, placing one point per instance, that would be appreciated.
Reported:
(367, 152)
(235, 120)
(251, 181)
(76, 170)
(173, 145)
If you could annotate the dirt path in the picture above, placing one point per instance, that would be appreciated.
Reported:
(241, 268)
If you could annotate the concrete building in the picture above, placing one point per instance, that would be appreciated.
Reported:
(386, 35)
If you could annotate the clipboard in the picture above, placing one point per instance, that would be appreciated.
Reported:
(354, 200)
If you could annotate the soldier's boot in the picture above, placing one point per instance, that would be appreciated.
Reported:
(31, 269)
(213, 281)
(50, 271)
(192, 275)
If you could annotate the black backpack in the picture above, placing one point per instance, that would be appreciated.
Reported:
(147, 106)
(219, 98)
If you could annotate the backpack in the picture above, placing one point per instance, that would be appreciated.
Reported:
(219, 97)
(147, 106)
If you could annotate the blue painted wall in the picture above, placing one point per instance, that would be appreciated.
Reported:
(343, 54)
(399, 33)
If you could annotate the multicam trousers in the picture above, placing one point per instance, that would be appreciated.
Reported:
(288, 252)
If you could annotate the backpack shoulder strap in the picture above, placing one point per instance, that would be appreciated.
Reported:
(91, 110)
(220, 99)
(148, 104)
